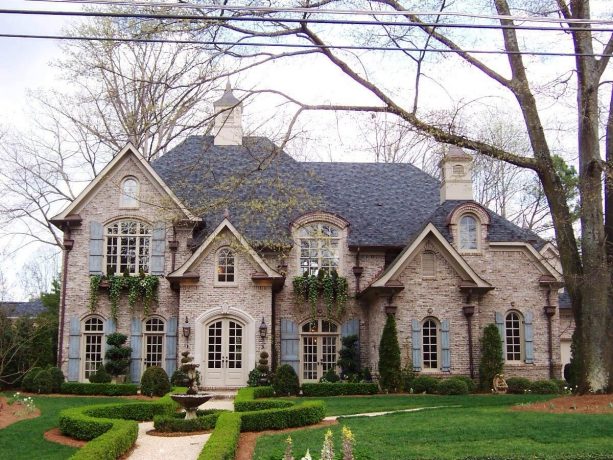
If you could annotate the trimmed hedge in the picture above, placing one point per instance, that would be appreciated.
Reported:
(518, 385)
(452, 386)
(245, 400)
(104, 389)
(224, 440)
(425, 384)
(263, 392)
(177, 423)
(545, 387)
(110, 428)
(339, 389)
(307, 413)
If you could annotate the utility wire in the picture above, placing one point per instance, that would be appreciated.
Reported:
(306, 10)
(192, 17)
(297, 45)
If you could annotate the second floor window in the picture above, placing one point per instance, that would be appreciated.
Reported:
(468, 233)
(129, 193)
(128, 246)
(225, 266)
(319, 248)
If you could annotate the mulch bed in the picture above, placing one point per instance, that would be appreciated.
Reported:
(55, 435)
(247, 441)
(13, 413)
(586, 404)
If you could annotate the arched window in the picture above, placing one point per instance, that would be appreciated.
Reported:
(428, 264)
(154, 342)
(129, 193)
(93, 335)
(468, 233)
(430, 344)
(226, 266)
(319, 248)
(513, 336)
(128, 245)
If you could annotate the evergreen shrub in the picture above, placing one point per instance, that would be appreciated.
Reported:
(224, 440)
(330, 377)
(518, 385)
(154, 382)
(470, 383)
(103, 389)
(306, 413)
(338, 389)
(177, 423)
(285, 381)
(390, 377)
(100, 376)
(117, 355)
(451, 386)
(27, 383)
(179, 379)
(408, 376)
(492, 361)
(544, 387)
(349, 358)
(425, 384)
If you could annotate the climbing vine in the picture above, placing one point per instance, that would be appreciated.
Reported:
(140, 288)
(332, 288)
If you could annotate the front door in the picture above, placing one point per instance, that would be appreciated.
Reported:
(224, 354)
(319, 340)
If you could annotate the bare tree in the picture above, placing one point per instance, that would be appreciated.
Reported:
(37, 274)
(587, 272)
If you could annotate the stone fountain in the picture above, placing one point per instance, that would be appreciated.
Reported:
(191, 400)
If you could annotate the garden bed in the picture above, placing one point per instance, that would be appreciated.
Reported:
(10, 414)
(586, 404)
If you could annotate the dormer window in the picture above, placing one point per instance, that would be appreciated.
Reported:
(319, 248)
(129, 193)
(468, 232)
(226, 266)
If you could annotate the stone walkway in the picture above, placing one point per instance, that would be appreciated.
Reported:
(377, 414)
(149, 447)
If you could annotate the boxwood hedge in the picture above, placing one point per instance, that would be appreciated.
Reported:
(103, 389)
(177, 423)
(306, 413)
(338, 389)
(224, 440)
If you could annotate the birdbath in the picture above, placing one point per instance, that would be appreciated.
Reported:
(191, 400)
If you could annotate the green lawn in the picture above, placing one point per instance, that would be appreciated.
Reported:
(487, 429)
(24, 440)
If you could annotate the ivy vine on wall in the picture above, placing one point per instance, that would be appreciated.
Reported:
(330, 286)
(140, 288)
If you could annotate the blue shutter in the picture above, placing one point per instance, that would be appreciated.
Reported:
(528, 338)
(109, 328)
(171, 346)
(446, 352)
(290, 344)
(74, 349)
(352, 327)
(136, 344)
(500, 324)
(96, 246)
(157, 248)
(416, 344)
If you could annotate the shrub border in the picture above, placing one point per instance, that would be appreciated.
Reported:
(104, 389)
(339, 389)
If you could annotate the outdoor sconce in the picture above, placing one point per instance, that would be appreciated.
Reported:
(187, 329)
(263, 329)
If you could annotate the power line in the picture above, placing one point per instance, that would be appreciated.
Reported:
(192, 17)
(297, 45)
(307, 10)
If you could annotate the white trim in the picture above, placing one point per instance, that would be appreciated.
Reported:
(225, 313)
(547, 268)
(156, 179)
(410, 252)
(194, 259)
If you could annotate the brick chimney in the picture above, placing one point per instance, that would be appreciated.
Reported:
(228, 128)
(456, 175)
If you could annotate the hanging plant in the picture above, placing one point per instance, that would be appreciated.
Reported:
(341, 294)
(148, 285)
(313, 293)
(333, 288)
(300, 285)
(116, 284)
(94, 285)
(134, 291)
(327, 283)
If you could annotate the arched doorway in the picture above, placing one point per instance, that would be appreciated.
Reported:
(319, 342)
(224, 353)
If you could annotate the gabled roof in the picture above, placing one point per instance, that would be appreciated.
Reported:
(544, 265)
(194, 260)
(129, 149)
(457, 262)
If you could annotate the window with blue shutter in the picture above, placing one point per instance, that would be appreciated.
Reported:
(445, 348)
(136, 344)
(96, 248)
(290, 344)
(171, 346)
(528, 338)
(157, 248)
(74, 349)
(416, 344)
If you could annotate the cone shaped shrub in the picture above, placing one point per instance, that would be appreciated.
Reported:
(389, 357)
(492, 361)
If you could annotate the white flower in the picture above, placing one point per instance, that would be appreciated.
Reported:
(307, 456)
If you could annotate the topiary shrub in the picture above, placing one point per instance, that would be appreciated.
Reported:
(470, 383)
(179, 378)
(117, 355)
(154, 382)
(390, 377)
(285, 381)
(452, 386)
(57, 379)
(28, 379)
(263, 369)
(100, 376)
(544, 387)
(349, 357)
(254, 378)
(518, 385)
(425, 384)
(492, 361)
(330, 377)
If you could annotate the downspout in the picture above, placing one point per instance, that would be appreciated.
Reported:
(469, 311)
(550, 310)
(273, 330)
(173, 246)
(67, 244)
(357, 271)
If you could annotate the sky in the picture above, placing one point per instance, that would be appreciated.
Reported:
(25, 67)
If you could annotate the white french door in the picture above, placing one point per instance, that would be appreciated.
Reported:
(319, 351)
(224, 354)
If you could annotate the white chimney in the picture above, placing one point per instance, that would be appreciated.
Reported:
(228, 128)
(456, 175)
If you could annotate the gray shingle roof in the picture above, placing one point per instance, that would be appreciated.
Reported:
(19, 309)
(385, 204)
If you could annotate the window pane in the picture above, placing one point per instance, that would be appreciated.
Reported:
(430, 344)
(319, 248)
(128, 247)
(513, 337)
(468, 233)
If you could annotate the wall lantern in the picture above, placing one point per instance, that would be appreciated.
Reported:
(187, 329)
(263, 329)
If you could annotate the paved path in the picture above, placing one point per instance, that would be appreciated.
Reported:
(377, 414)
(149, 447)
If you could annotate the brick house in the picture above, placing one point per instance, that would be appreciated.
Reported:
(405, 243)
